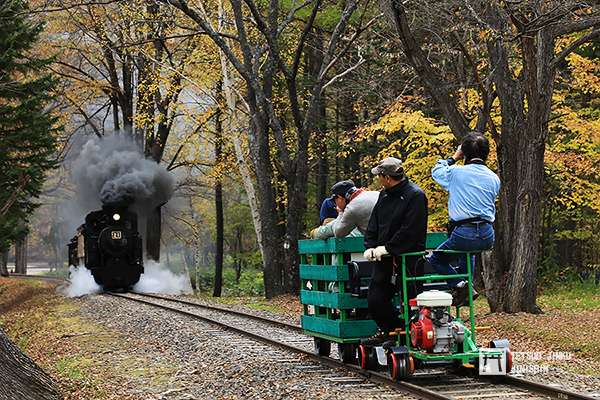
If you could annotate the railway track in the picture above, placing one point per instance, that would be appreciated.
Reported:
(437, 384)
(434, 384)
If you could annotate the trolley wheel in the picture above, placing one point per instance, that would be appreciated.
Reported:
(400, 365)
(322, 347)
(367, 358)
(509, 360)
(347, 352)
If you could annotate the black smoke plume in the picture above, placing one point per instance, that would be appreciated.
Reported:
(112, 170)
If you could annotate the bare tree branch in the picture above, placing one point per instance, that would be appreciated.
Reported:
(586, 21)
(300, 48)
(595, 34)
(339, 76)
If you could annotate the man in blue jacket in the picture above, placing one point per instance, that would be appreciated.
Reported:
(472, 191)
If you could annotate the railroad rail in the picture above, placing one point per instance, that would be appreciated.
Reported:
(444, 385)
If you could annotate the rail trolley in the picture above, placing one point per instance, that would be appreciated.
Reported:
(335, 277)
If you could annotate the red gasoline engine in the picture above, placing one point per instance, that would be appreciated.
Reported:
(433, 329)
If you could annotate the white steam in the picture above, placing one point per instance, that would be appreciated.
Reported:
(81, 282)
(158, 279)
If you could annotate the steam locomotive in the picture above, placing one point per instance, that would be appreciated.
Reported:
(109, 245)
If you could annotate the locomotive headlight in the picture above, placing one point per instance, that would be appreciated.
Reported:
(116, 217)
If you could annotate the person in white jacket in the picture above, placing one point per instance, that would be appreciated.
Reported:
(354, 211)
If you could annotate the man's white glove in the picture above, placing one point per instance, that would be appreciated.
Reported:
(379, 252)
(368, 254)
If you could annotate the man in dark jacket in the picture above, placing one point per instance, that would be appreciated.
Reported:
(398, 224)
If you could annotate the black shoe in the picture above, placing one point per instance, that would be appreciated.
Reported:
(388, 344)
(460, 296)
(378, 338)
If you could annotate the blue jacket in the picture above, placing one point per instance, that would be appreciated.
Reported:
(472, 190)
(328, 210)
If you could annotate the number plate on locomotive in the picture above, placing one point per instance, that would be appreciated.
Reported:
(116, 235)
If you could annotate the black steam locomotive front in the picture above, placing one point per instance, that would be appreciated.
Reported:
(109, 245)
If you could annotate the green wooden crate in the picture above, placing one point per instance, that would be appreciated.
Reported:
(332, 245)
(355, 244)
(332, 273)
(337, 330)
(339, 301)
(324, 274)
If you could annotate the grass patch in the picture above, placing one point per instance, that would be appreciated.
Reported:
(250, 283)
(61, 272)
(85, 359)
(574, 296)
(73, 367)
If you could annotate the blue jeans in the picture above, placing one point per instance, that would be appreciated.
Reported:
(465, 238)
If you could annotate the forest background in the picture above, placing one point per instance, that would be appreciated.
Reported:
(258, 107)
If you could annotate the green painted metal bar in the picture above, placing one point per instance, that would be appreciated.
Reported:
(332, 245)
(405, 308)
(471, 354)
(470, 283)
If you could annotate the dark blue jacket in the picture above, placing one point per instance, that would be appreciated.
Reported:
(328, 210)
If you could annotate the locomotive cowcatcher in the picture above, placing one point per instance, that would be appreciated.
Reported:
(109, 245)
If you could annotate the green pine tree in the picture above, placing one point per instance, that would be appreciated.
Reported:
(27, 129)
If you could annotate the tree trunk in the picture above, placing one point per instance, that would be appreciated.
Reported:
(238, 249)
(313, 53)
(323, 159)
(3, 263)
(238, 270)
(235, 126)
(219, 208)
(115, 113)
(219, 244)
(511, 279)
(322, 172)
(294, 224)
(20, 377)
(21, 256)
(521, 291)
(187, 265)
(153, 234)
(271, 233)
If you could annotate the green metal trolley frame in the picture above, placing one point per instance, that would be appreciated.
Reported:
(330, 312)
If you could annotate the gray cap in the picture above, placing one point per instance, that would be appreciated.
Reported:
(389, 166)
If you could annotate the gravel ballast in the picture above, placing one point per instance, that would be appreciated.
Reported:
(207, 362)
